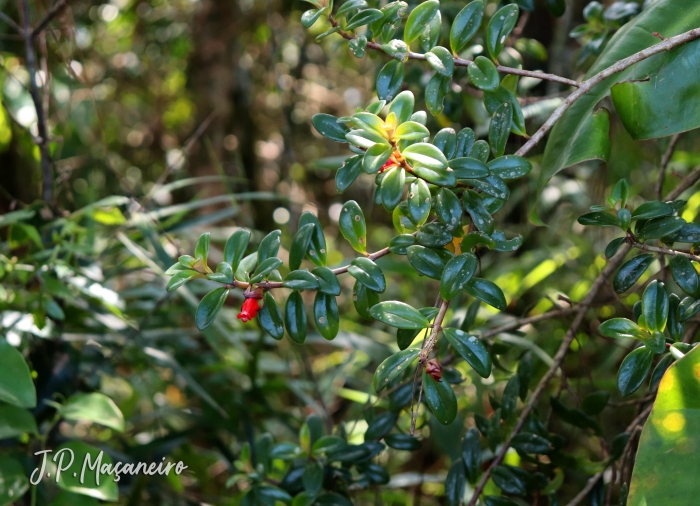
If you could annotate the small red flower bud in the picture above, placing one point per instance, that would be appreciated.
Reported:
(389, 163)
(249, 310)
(434, 369)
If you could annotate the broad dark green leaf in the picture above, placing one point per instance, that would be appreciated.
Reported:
(456, 274)
(510, 167)
(435, 92)
(659, 227)
(399, 314)
(328, 444)
(446, 141)
(317, 247)
(300, 244)
(634, 370)
(613, 246)
(433, 235)
(348, 173)
(392, 187)
(94, 407)
(270, 317)
(419, 18)
(201, 249)
(425, 154)
(16, 421)
(400, 243)
(448, 208)
(620, 328)
(380, 426)
(352, 226)
(599, 218)
(595, 402)
(531, 443)
(652, 209)
(265, 268)
(368, 273)
(441, 60)
(480, 150)
(471, 454)
(269, 246)
(295, 317)
(223, 274)
(364, 17)
(688, 233)
(665, 470)
(326, 315)
(16, 385)
(466, 24)
(311, 16)
(486, 290)
(499, 129)
(509, 400)
(328, 281)
(209, 307)
(440, 177)
(655, 305)
(301, 280)
(411, 131)
(402, 442)
(425, 261)
(402, 106)
(392, 367)
(471, 350)
(418, 201)
(685, 275)
(491, 185)
(508, 481)
(454, 484)
(376, 157)
(313, 477)
(631, 271)
(480, 216)
(404, 337)
(484, 75)
(440, 399)
(499, 28)
(469, 168)
(235, 247)
(389, 80)
(674, 326)
(329, 127)
(364, 299)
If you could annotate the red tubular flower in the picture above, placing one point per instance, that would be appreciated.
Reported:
(249, 310)
(434, 369)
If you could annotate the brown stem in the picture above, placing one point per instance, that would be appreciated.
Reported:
(663, 251)
(55, 10)
(526, 321)
(589, 84)
(46, 172)
(437, 326)
(664, 163)
(461, 62)
(687, 182)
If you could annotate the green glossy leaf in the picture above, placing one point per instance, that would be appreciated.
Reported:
(507, 480)
(269, 246)
(411, 131)
(483, 74)
(368, 273)
(295, 317)
(201, 249)
(466, 24)
(380, 426)
(599, 218)
(659, 227)
(402, 442)
(510, 167)
(685, 275)
(405, 337)
(350, 5)
(665, 470)
(399, 244)
(499, 28)
(455, 483)
(499, 129)
(448, 209)
(402, 106)
(652, 209)
(428, 38)
(71, 481)
(688, 233)
(471, 455)
(312, 477)
(595, 402)
(487, 291)
(364, 299)
(440, 399)
(631, 271)
(435, 92)
(392, 186)
(392, 367)
(456, 274)
(634, 370)
(528, 442)
(300, 244)
(235, 247)
(399, 314)
(419, 18)
(301, 280)
(433, 235)
(94, 407)
(328, 444)
(441, 60)
(16, 385)
(16, 421)
(329, 127)
(491, 185)
(328, 281)
(270, 317)
(317, 248)
(613, 246)
(352, 225)
(223, 274)
(419, 201)
(311, 16)
(363, 18)
(13, 483)
(471, 350)
(480, 216)
(655, 305)
(348, 173)
(480, 151)
(469, 168)
(209, 307)
(389, 80)
(246, 266)
(426, 155)
(440, 177)
(326, 315)
(425, 261)
(620, 328)
(264, 269)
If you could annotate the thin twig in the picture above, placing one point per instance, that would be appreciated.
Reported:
(7, 19)
(47, 175)
(437, 326)
(516, 324)
(589, 84)
(664, 163)
(55, 10)
(663, 251)
(461, 62)
(687, 182)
